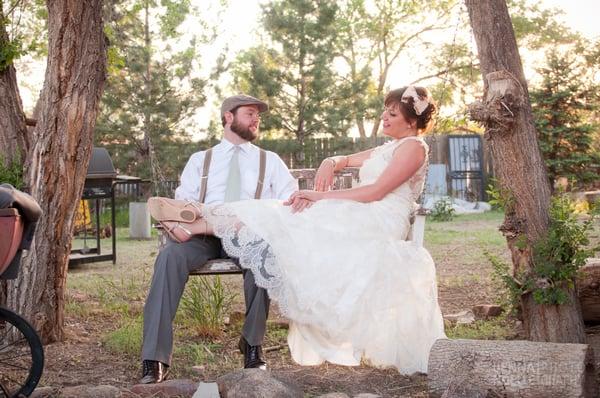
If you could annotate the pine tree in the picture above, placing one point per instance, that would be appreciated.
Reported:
(295, 73)
(562, 105)
(151, 91)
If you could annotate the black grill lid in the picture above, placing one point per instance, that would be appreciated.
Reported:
(101, 165)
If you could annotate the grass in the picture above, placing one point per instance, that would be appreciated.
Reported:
(114, 295)
(500, 328)
(127, 338)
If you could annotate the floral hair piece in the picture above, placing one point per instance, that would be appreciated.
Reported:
(419, 104)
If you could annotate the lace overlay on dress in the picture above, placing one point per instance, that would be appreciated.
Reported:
(253, 252)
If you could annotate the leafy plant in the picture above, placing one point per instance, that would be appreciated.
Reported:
(508, 287)
(205, 303)
(557, 257)
(442, 210)
(11, 173)
(561, 252)
(499, 198)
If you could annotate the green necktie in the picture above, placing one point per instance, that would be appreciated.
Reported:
(234, 179)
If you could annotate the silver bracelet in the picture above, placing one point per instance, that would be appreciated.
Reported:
(333, 160)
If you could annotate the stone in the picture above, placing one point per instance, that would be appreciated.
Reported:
(367, 395)
(592, 196)
(486, 311)
(101, 391)
(168, 388)
(255, 383)
(207, 390)
(461, 318)
(334, 395)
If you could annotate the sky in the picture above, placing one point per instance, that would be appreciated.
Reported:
(241, 21)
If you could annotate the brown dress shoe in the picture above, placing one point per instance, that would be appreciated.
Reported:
(153, 372)
(252, 355)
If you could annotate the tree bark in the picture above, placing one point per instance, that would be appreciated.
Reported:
(61, 150)
(518, 164)
(588, 290)
(13, 131)
(490, 368)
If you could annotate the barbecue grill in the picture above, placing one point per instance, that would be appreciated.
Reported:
(99, 184)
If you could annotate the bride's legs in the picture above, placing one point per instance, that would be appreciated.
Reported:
(180, 219)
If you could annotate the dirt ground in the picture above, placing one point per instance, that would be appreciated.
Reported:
(84, 359)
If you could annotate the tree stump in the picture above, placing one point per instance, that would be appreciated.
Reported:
(466, 368)
(588, 289)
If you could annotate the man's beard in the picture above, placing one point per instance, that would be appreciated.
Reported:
(243, 132)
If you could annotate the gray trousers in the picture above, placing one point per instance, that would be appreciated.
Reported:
(171, 272)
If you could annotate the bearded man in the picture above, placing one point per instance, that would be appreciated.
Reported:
(234, 169)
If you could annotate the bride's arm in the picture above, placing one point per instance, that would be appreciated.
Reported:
(406, 160)
(328, 167)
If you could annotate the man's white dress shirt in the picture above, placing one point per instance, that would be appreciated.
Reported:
(278, 182)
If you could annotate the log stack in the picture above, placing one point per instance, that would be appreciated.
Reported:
(488, 368)
(588, 289)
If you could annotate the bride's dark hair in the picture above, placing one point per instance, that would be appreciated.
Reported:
(425, 121)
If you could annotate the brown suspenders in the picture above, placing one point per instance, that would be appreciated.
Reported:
(206, 167)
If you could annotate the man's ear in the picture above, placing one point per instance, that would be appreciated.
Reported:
(228, 117)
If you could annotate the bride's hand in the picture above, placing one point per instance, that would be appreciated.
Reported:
(300, 204)
(303, 199)
(311, 195)
(324, 175)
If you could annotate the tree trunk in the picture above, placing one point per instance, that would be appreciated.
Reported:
(588, 289)
(61, 150)
(490, 368)
(506, 114)
(13, 131)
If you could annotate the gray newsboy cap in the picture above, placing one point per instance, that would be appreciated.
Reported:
(233, 102)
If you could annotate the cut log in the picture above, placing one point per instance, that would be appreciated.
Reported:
(588, 289)
(460, 368)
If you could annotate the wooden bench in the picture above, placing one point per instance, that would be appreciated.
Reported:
(343, 179)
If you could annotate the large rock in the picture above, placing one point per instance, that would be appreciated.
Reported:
(255, 383)
(170, 388)
(90, 392)
(461, 318)
(486, 311)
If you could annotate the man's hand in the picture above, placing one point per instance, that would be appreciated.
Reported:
(301, 200)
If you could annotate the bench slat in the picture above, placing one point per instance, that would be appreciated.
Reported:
(217, 267)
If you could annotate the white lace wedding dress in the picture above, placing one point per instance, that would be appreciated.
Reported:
(342, 272)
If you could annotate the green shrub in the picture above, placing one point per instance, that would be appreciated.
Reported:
(557, 257)
(442, 210)
(12, 173)
(561, 252)
(205, 303)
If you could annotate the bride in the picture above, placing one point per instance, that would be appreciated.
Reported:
(337, 262)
